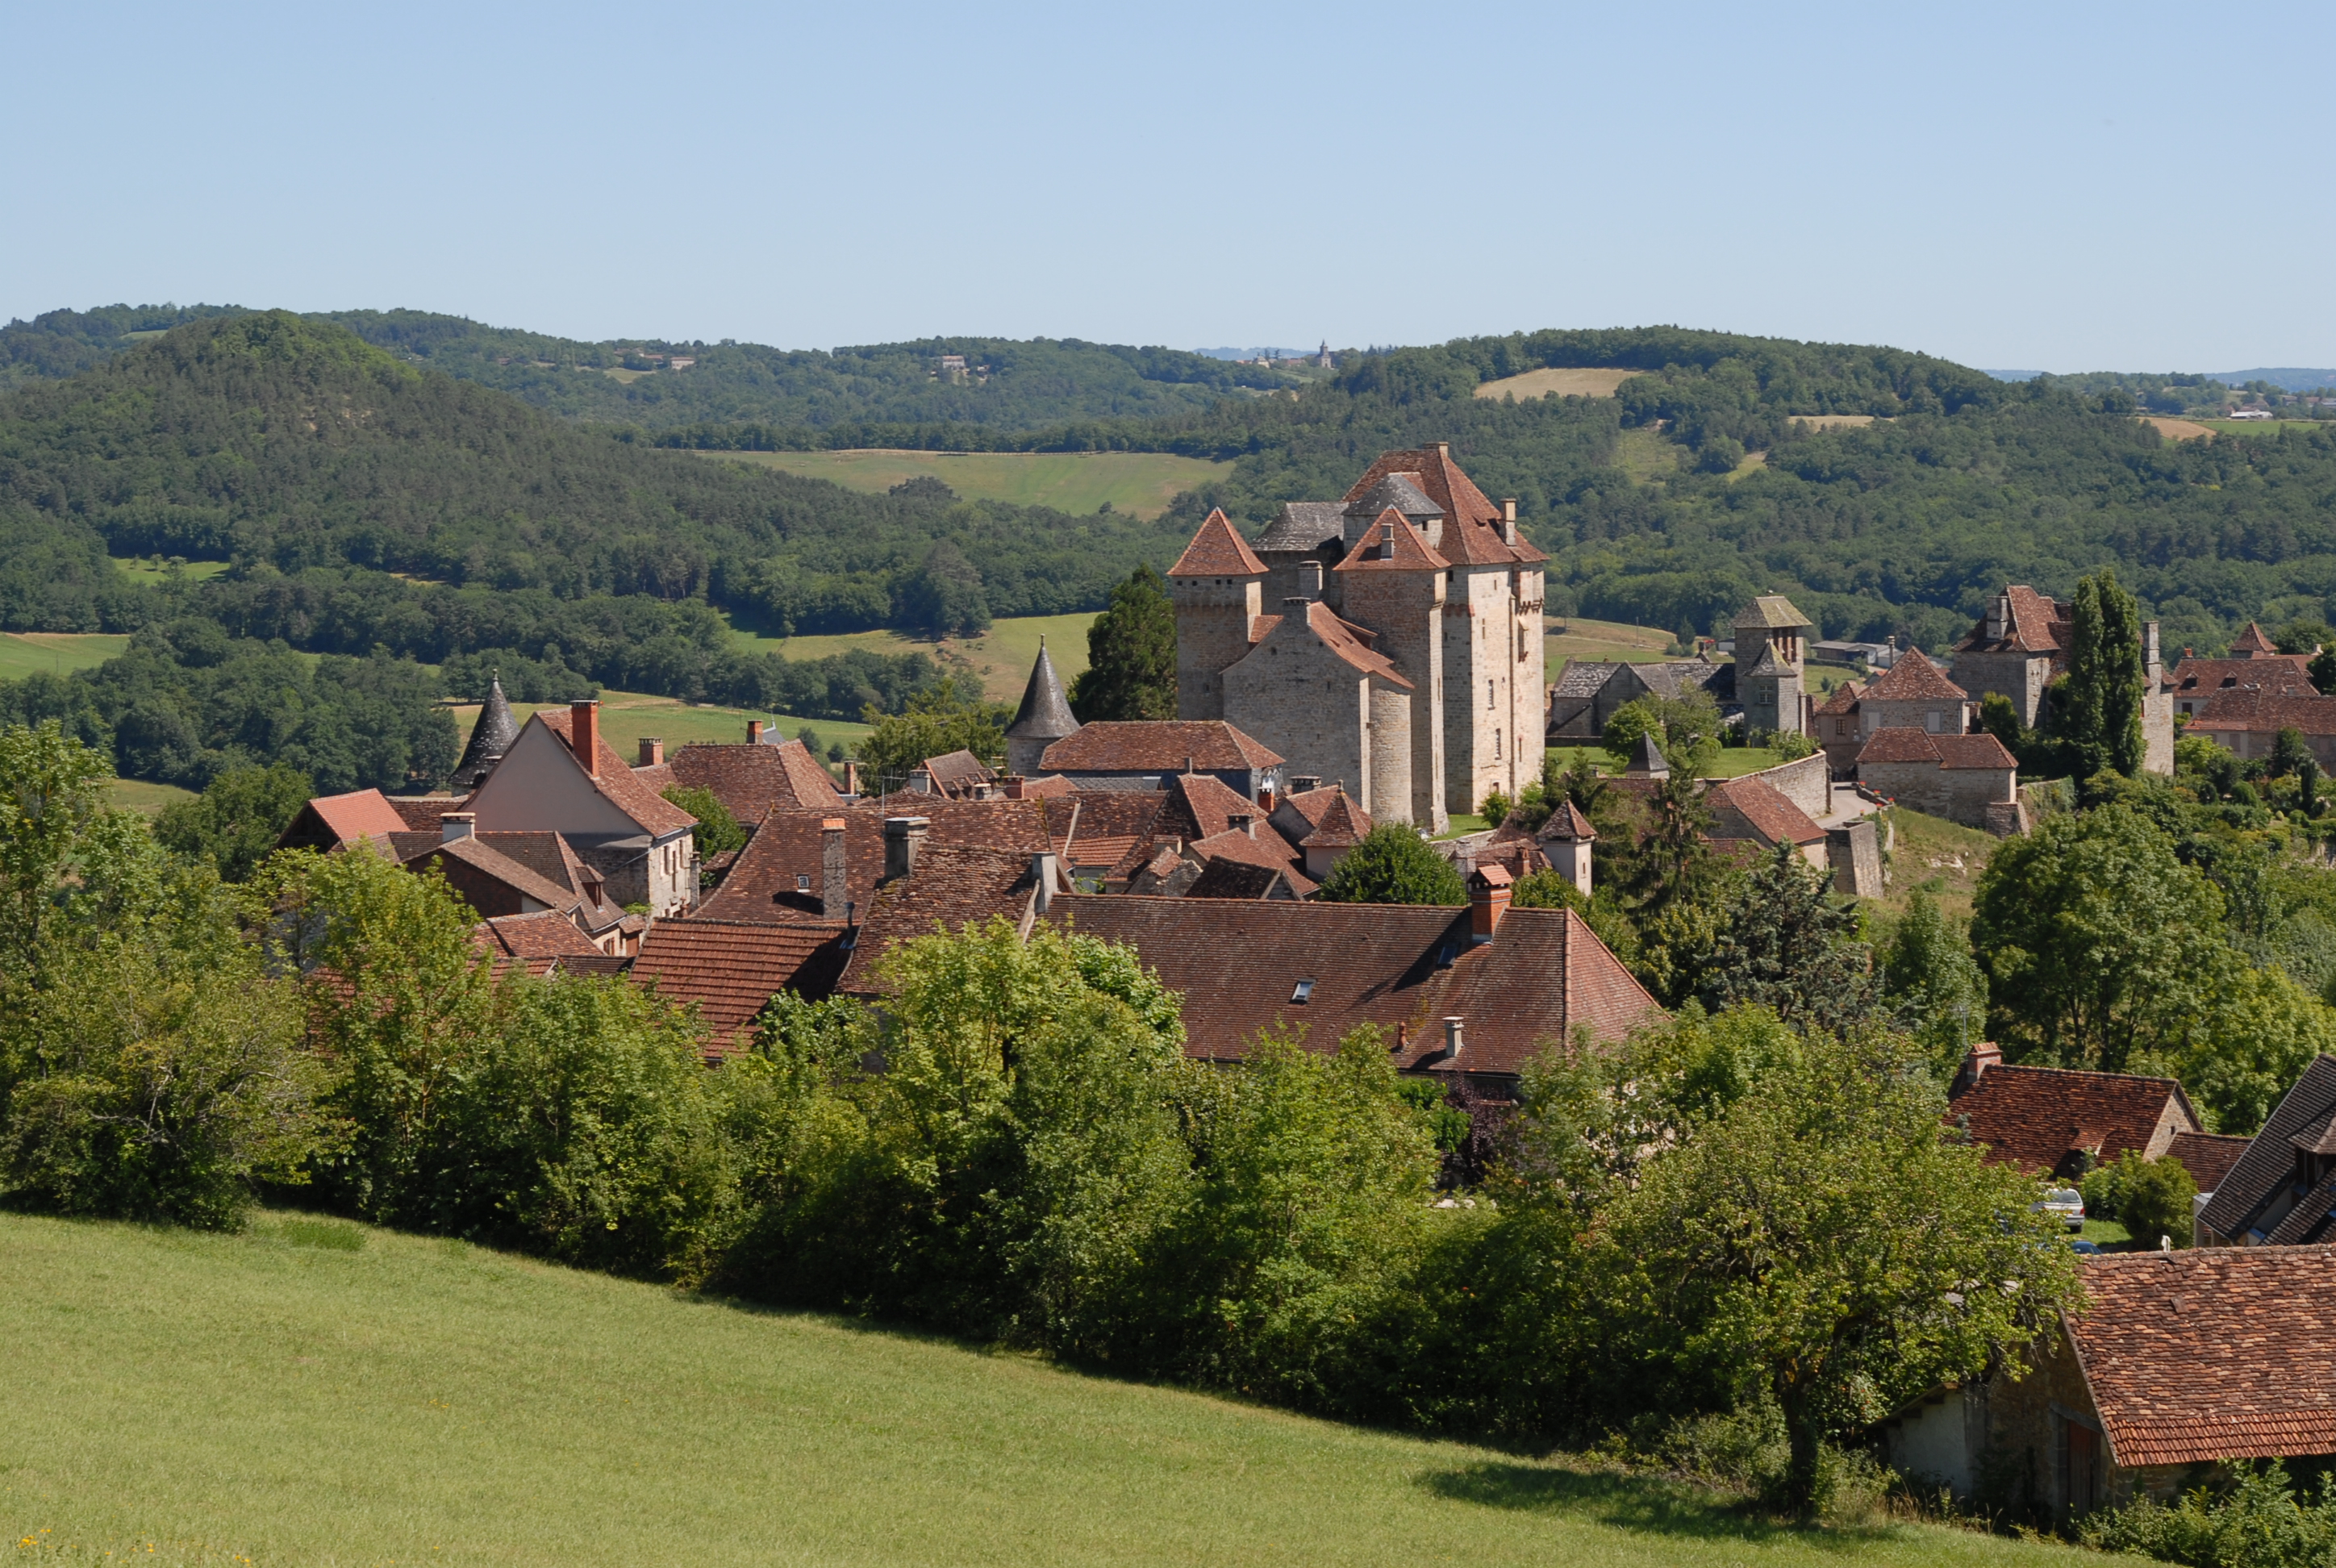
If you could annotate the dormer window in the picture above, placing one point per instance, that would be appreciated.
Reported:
(803, 881)
(1302, 993)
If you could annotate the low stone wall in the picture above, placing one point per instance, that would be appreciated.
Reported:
(1808, 783)
(1974, 797)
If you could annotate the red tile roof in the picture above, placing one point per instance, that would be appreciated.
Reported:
(1237, 964)
(548, 935)
(2038, 625)
(2035, 1117)
(2280, 674)
(732, 969)
(1412, 552)
(1197, 806)
(955, 773)
(1913, 678)
(1223, 879)
(1772, 817)
(2254, 710)
(656, 816)
(2207, 1156)
(2254, 641)
(761, 885)
(421, 813)
(2212, 1353)
(954, 885)
(481, 861)
(1472, 523)
(1162, 745)
(1352, 643)
(360, 814)
(1843, 701)
(1216, 550)
(1268, 849)
(1341, 825)
(749, 780)
(1904, 743)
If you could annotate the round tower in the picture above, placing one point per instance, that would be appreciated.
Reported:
(1044, 718)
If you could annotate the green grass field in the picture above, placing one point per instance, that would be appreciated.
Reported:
(151, 569)
(316, 1393)
(1734, 761)
(626, 715)
(1943, 858)
(999, 658)
(137, 795)
(55, 652)
(1142, 483)
(1611, 641)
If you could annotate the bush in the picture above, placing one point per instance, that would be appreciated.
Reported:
(2257, 1523)
(1392, 865)
(2151, 1198)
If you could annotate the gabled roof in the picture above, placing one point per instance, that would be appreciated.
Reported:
(1114, 830)
(956, 773)
(1772, 612)
(491, 738)
(1266, 849)
(1046, 711)
(1675, 678)
(732, 969)
(2257, 711)
(1773, 818)
(1216, 550)
(2038, 1118)
(1843, 701)
(1237, 964)
(1225, 879)
(1768, 663)
(1396, 492)
(750, 779)
(1342, 825)
(953, 885)
(1157, 746)
(546, 934)
(1583, 678)
(2207, 1156)
(1350, 643)
(1411, 551)
(2210, 1353)
(1471, 535)
(1197, 805)
(347, 818)
(547, 855)
(2037, 626)
(2252, 642)
(493, 863)
(1302, 526)
(2280, 674)
(1647, 759)
(1914, 678)
(790, 844)
(1905, 744)
(2269, 1164)
(656, 816)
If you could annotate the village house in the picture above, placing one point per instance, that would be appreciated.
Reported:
(1965, 778)
(729, 970)
(520, 873)
(1139, 754)
(748, 779)
(1911, 694)
(2021, 643)
(2254, 661)
(2180, 1364)
(824, 866)
(2057, 1123)
(2282, 1192)
(1752, 810)
(1588, 694)
(2246, 720)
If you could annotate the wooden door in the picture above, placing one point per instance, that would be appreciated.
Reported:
(2084, 1468)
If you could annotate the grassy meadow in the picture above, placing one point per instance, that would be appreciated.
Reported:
(150, 570)
(1734, 762)
(1556, 383)
(1942, 858)
(316, 1392)
(1140, 482)
(999, 658)
(23, 652)
(140, 795)
(626, 715)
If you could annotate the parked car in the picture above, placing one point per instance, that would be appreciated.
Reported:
(2083, 1247)
(2066, 1203)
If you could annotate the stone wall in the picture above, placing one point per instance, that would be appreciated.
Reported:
(2020, 676)
(1297, 698)
(1959, 795)
(1405, 609)
(1212, 621)
(1808, 783)
(1854, 852)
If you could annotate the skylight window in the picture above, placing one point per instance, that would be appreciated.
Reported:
(803, 881)
(1303, 994)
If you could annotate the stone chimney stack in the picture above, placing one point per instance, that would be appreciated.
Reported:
(1985, 1055)
(754, 732)
(453, 825)
(2151, 664)
(831, 904)
(652, 751)
(1043, 872)
(851, 778)
(584, 734)
(1509, 521)
(1452, 1043)
(904, 837)
(1310, 579)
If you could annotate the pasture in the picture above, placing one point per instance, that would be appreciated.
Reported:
(626, 715)
(1139, 482)
(999, 658)
(313, 1391)
(139, 795)
(23, 652)
(152, 570)
(1556, 383)
(1611, 641)
(2178, 429)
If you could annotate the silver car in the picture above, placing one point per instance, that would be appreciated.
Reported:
(2066, 1203)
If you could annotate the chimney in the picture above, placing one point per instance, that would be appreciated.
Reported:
(1188, 765)
(1488, 900)
(831, 904)
(1304, 782)
(1265, 798)
(2150, 663)
(584, 734)
(1241, 822)
(1042, 871)
(1443, 448)
(1509, 520)
(1310, 579)
(1013, 785)
(1985, 1055)
(754, 732)
(453, 825)
(851, 778)
(652, 751)
(903, 837)
(1452, 1041)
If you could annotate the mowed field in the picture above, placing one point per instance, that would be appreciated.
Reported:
(1613, 641)
(1142, 483)
(23, 652)
(313, 1392)
(999, 658)
(1556, 383)
(626, 715)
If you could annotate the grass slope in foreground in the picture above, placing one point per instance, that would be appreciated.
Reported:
(317, 1393)
(1139, 482)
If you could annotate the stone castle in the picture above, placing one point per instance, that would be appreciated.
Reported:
(1390, 640)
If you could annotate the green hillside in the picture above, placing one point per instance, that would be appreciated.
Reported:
(1140, 482)
(315, 1392)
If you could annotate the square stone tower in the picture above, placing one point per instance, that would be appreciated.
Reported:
(1216, 586)
(1770, 669)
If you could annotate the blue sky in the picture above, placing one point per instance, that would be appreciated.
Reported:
(2056, 186)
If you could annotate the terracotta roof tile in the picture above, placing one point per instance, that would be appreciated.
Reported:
(548, 935)
(2038, 625)
(1341, 825)
(2254, 640)
(1351, 643)
(953, 885)
(1162, 745)
(1843, 701)
(1757, 804)
(1216, 550)
(1471, 533)
(2211, 1353)
(2257, 711)
(2207, 1156)
(956, 773)
(1223, 879)
(1914, 678)
(656, 816)
(2035, 1117)
(421, 813)
(1973, 751)
(1900, 743)
(2280, 674)
(1266, 849)
(1411, 551)
(732, 969)
(762, 884)
(360, 814)
(749, 780)
(493, 864)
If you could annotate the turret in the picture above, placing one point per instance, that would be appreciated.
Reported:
(491, 738)
(1044, 718)
(1216, 587)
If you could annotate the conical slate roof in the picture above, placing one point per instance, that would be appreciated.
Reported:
(1045, 713)
(1648, 759)
(491, 738)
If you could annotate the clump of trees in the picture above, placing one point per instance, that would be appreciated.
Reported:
(1131, 670)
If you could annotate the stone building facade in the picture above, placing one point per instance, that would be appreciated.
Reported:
(1771, 654)
(1392, 639)
(2022, 643)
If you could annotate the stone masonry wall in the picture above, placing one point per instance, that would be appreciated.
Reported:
(1807, 783)
(1299, 698)
(1958, 794)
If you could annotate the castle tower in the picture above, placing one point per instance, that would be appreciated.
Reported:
(491, 738)
(1216, 587)
(1769, 669)
(1044, 718)
(1393, 584)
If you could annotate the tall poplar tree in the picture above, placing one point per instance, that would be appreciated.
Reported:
(1131, 670)
(2097, 720)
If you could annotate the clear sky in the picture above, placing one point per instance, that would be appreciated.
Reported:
(2045, 185)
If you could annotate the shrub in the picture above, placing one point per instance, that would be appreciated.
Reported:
(1392, 865)
(2150, 1197)
(2257, 1523)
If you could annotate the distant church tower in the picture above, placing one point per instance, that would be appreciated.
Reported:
(1044, 718)
(1769, 664)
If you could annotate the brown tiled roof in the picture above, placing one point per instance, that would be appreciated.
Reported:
(1905, 744)
(1973, 751)
(547, 855)
(1341, 826)
(1268, 849)
(955, 773)
(548, 935)
(1411, 551)
(2034, 1117)
(761, 886)
(1768, 812)
(360, 814)
(1216, 550)
(749, 780)
(2207, 1156)
(1237, 964)
(1310, 805)
(1567, 822)
(2254, 640)
(1772, 612)
(1223, 879)
(491, 864)
(2038, 625)
(1045, 784)
(1471, 523)
(2210, 1353)
(1352, 643)
(953, 886)
(2280, 674)
(1843, 701)
(1114, 829)
(2268, 1166)
(421, 813)
(1914, 678)
(615, 780)
(731, 969)
(2257, 711)
(1161, 745)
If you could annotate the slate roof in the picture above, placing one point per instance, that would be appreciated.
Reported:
(1396, 492)
(2280, 674)
(953, 886)
(2257, 711)
(750, 779)
(1914, 678)
(2267, 1168)
(761, 885)
(2035, 1117)
(1772, 817)
(1303, 525)
(1769, 662)
(1905, 744)
(1567, 823)
(1675, 678)
(1046, 711)
(1237, 964)
(1647, 759)
(1412, 552)
(2210, 1353)
(1471, 533)
(656, 816)
(1216, 550)
(1772, 612)
(491, 738)
(1583, 678)
(1161, 745)
(732, 969)
(546, 935)
(2207, 1156)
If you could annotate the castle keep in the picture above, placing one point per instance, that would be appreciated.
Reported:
(1391, 639)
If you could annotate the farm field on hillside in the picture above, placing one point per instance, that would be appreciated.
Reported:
(22, 653)
(1556, 383)
(313, 1391)
(140, 795)
(626, 715)
(1000, 658)
(149, 570)
(1611, 641)
(1142, 483)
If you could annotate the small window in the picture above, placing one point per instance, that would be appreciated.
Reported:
(1934, 721)
(1496, 746)
(803, 881)
(1841, 726)
(1303, 993)
(1490, 700)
